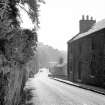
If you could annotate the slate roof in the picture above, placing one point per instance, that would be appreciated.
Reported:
(96, 27)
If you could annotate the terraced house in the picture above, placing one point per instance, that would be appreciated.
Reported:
(86, 53)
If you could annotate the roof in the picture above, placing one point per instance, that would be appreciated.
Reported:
(96, 27)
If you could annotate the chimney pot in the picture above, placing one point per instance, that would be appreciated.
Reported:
(83, 17)
(87, 17)
(91, 18)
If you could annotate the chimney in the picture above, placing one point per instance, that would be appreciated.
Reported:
(87, 17)
(91, 18)
(86, 23)
(83, 17)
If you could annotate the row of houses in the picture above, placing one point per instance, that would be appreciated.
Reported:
(86, 53)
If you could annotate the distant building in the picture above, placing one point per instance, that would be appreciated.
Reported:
(59, 71)
(86, 53)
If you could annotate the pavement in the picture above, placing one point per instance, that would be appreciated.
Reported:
(84, 86)
(47, 91)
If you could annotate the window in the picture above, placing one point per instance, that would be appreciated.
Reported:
(93, 44)
(93, 65)
(80, 48)
(71, 66)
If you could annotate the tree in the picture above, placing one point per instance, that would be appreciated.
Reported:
(16, 48)
(9, 10)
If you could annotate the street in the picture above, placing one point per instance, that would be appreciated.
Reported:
(51, 92)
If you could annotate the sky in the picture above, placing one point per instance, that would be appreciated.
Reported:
(59, 19)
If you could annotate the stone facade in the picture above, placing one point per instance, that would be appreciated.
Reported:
(86, 57)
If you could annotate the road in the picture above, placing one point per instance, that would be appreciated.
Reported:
(51, 92)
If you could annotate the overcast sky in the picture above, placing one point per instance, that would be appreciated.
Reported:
(59, 19)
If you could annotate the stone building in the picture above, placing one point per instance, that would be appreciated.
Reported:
(86, 53)
(58, 69)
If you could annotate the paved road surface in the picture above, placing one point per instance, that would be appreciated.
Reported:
(50, 92)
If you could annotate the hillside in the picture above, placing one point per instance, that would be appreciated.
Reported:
(48, 54)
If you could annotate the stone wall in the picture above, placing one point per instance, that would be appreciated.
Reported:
(12, 80)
